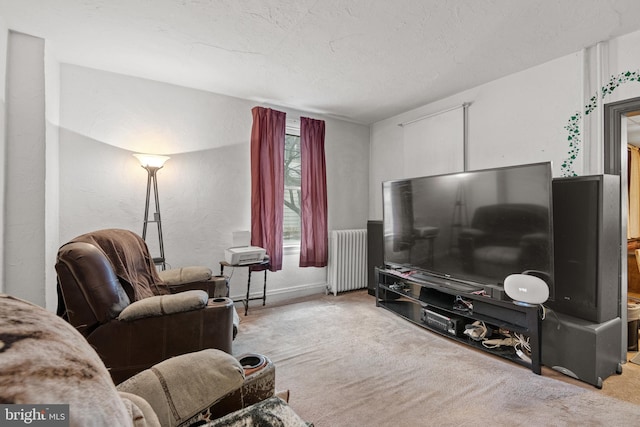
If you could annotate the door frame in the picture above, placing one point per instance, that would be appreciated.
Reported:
(615, 163)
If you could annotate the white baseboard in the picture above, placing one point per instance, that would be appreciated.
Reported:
(279, 295)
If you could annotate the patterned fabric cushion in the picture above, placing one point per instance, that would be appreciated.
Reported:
(273, 412)
(44, 360)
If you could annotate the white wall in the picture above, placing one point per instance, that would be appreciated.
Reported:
(517, 119)
(204, 188)
(521, 118)
(4, 35)
(24, 201)
(52, 188)
(623, 54)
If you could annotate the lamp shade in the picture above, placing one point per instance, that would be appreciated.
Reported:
(151, 160)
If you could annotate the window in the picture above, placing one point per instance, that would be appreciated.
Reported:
(292, 187)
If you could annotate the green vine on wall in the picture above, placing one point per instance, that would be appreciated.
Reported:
(573, 126)
(574, 140)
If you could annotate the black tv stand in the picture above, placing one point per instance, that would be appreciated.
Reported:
(435, 306)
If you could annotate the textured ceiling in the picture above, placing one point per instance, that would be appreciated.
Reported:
(358, 60)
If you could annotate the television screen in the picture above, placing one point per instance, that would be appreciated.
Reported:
(474, 227)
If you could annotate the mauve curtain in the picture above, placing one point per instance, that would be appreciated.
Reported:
(314, 239)
(267, 182)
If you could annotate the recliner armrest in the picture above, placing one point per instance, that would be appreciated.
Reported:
(180, 387)
(143, 342)
(164, 304)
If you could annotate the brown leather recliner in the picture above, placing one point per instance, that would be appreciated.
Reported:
(100, 274)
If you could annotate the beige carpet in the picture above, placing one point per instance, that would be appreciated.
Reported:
(348, 363)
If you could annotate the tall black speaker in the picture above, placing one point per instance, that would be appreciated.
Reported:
(586, 233)
(375, 254)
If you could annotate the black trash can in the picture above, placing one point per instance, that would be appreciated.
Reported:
(632, 335)
(633, 322)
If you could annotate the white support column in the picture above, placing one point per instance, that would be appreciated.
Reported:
(24, 202)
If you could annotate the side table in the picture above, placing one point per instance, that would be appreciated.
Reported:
(263, 264)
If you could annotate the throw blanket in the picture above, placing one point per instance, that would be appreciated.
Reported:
(130, 258)
(273, 412)
(44, 360)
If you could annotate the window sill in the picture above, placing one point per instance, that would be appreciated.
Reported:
(291, 249)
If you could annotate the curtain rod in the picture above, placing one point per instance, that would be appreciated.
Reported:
(463, 105)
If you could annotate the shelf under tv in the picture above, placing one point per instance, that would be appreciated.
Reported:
(410, 297)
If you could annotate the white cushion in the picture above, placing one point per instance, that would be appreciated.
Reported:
(165, 304)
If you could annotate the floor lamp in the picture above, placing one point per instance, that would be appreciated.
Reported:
(152, 163)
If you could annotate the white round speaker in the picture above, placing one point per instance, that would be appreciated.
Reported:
(525, 289)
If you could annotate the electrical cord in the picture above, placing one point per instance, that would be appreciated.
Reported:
(543, 312)
(477, 331)
(556, 316)
(460, 304)
(519, 342)
(522, 347)
(495, 343)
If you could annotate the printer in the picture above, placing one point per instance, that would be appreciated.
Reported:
(241, 255)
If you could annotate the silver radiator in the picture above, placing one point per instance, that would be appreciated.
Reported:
(347, 267)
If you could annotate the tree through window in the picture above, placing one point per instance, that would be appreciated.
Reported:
(292, 188)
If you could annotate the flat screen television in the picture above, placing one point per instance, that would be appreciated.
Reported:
(471, 228)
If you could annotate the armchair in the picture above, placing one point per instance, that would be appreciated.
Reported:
(110, 291)
(45, 361)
